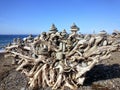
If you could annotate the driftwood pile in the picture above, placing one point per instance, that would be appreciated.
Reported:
(58, 59)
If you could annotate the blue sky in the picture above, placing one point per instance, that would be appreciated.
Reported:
(36, 16)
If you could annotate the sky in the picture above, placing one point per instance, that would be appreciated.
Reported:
(36, 16)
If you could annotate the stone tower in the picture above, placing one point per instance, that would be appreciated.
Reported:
(53, 29)
(74, 28)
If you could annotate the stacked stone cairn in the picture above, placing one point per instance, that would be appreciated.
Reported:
(58, 59)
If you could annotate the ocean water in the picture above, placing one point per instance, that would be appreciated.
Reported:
(6, 39)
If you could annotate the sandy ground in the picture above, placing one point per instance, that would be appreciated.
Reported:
(104, 76)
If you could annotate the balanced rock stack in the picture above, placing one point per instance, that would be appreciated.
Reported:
(58, 59)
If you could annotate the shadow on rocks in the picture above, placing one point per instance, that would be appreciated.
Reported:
(102, 72)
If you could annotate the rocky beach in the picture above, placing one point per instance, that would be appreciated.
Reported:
(10, 79)
(104, 76)
(96, 62)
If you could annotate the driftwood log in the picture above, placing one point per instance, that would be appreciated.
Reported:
(58, 59)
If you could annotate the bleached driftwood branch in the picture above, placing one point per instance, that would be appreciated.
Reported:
(60, 60)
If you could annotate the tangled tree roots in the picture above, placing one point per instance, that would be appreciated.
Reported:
(59, 60)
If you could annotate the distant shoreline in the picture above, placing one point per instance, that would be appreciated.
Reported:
(2, 50)
(5, 39)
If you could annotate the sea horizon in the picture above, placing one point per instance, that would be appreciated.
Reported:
(19, 34)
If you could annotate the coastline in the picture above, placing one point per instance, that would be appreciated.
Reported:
(6, 39)
(2, 51)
